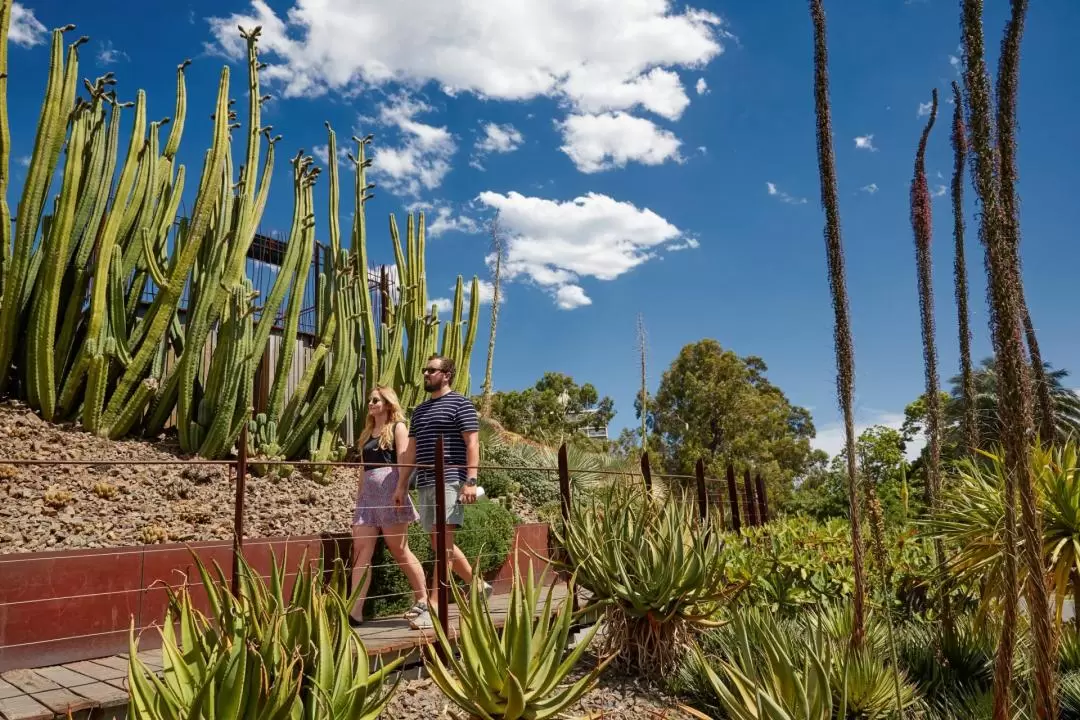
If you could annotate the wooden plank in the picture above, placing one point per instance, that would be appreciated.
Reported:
(113, 661)
(95, 671)
(24, 707)
(62, 702)
(29, 681)
(65, 677)
(104, 694)
(8, 690)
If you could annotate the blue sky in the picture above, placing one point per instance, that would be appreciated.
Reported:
(646, 157)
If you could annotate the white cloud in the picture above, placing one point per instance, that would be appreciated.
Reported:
(702, 87)
(496, 139)
(831, 438)
(445, 220)
(109, 55)
(25, 29)
(499, 139)
(688, 244)
(865, 142)
(24, 161)
(569, 297)
(486, 295)
(956, 63)
(702, 149)
(322, 154)
(939, 191)
(783, 196)
(924, 109)
(869, 189)
(604, 142)
(422, 159)
(596, 55)
(555, 244)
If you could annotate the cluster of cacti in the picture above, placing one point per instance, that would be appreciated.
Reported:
(407, 331)
(77, 339)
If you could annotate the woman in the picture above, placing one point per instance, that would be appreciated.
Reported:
(382, 499)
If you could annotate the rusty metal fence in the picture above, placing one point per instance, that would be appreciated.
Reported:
(732, 503)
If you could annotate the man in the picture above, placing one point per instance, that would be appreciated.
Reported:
(450, 415)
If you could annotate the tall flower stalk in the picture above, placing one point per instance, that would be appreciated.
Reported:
(498, 247)
(999, 238)
(923, 227)
(1038, 600)
(1007, 81)
(970, 423)
(845, 360)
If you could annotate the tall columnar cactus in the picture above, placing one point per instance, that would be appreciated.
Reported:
(233, 231)
(52, 123)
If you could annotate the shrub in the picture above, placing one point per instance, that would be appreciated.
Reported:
(488, 532)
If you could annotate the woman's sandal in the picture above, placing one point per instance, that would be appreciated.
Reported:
(415, 611)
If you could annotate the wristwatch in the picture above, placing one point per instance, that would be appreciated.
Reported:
(470, 482)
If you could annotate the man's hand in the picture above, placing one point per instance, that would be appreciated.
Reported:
(468, 494)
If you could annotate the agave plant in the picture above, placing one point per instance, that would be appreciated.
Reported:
(766, 666)
(768, 673)
(658, 572)
(261, 656)
(516, 673)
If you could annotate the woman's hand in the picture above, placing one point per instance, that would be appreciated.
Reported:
(399, 496)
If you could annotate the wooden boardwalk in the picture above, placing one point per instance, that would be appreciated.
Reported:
(97, 689)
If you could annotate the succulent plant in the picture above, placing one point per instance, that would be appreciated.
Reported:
(56, 497)
(261, 653)
(517, 672)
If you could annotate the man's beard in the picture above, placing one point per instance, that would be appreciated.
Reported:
(431, 385)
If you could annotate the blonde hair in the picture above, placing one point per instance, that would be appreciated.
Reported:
(392, 407)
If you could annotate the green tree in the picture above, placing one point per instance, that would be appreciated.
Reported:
(880, 450)
(553, 410)
(719, 407)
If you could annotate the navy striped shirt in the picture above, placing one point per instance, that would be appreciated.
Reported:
(449, 416)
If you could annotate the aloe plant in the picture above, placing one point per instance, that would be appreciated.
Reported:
(520, 671)
(657, 573)
(260, 654)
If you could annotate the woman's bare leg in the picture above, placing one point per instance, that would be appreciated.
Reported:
(397, 542)
(364, 537)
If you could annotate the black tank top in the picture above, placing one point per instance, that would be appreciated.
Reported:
(374, 456)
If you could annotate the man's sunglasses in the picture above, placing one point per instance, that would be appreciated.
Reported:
(431, 371)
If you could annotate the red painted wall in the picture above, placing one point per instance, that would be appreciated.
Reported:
(59, 607)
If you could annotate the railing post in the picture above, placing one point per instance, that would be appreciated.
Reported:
(238, 507)
(733, 498)
(564, 498)
(702, 496)
(763, 501)
(564, 484)
(751, 500)
(441, 575)
(646, 472)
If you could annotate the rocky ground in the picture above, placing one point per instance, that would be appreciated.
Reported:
(49, 507)
(615, 697)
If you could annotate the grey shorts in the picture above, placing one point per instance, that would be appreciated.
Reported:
(455, 511)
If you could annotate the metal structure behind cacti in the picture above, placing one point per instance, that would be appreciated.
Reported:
(76, 338)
